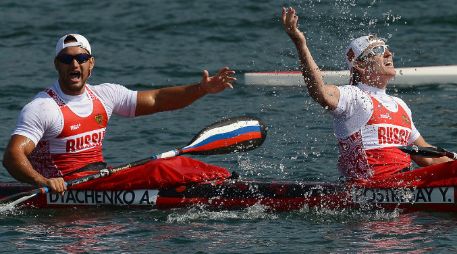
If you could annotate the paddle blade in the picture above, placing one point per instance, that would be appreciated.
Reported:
(237, 134)
(431, 152)
(20, 197)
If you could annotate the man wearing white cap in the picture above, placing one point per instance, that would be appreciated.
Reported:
(62, 129)
(368, 123)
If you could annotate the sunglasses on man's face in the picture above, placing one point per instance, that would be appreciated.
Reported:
(68, 59)
(375, 51)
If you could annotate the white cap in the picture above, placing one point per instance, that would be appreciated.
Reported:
(81, 41)
(358, 46)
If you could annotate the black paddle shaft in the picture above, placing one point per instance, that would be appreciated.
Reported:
(432, 152)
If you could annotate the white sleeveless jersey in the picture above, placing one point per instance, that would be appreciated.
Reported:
(355, 108)
(369, 124)
(42, 119)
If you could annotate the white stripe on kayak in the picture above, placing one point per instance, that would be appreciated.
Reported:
(405, 77)
(426, 195)
(108, 197)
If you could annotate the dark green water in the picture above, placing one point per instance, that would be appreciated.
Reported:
(145, 44)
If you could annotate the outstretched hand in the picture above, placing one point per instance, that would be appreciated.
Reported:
(290, 23)
(215, 84)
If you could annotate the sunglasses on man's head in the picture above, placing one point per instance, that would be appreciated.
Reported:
(68, 59)
(375, 51)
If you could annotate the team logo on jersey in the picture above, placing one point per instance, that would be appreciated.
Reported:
(385, 116)
(75, 126)
(405, 119)
(99, 119)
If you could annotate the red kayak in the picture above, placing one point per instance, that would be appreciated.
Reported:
(425, 189)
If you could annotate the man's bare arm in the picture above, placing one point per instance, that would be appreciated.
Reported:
(15, 160)
(423, 161)
(326, 95)
(171, 98)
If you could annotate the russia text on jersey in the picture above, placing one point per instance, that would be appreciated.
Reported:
(393, 135)
(84, 141)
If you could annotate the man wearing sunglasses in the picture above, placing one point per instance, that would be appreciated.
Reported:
(368, 123)
(62, 129)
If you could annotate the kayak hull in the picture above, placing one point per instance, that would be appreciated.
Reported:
(289, 196)
(238, 194)
(425, 189)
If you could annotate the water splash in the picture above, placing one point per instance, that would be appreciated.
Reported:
(9, 209)
(326, 215)
(200, 213)
(6, 209)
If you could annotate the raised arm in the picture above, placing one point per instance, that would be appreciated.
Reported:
(326, 95)
(170, 98)
(16, 161)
